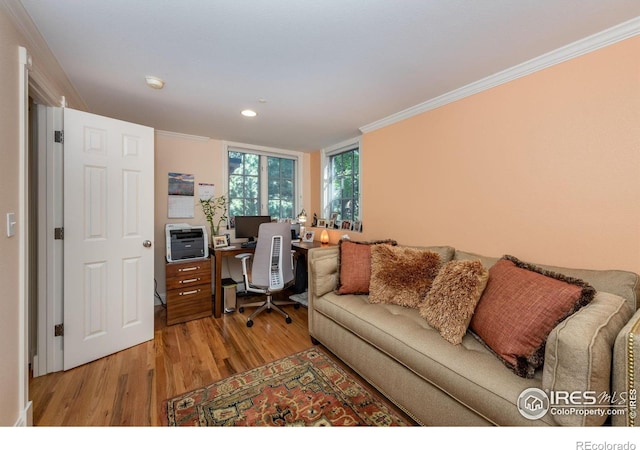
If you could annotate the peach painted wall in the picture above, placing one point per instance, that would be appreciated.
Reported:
(183, 154)
(546, 167)
(204, 158)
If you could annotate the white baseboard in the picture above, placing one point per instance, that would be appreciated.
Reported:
(26, 417)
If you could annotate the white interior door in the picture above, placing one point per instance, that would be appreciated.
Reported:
(108, 233)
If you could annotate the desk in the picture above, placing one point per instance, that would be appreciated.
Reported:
(220, 253)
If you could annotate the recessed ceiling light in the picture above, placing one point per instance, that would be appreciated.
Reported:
(249, 113)
(154, 82)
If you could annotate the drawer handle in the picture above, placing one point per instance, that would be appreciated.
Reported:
(195, 291)
(190, 280)
(187, 269)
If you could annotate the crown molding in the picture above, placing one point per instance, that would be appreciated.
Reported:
(191, 137)
(47, 79)
(589, 44)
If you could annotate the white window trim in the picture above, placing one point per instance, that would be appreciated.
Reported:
(229, 146)
(327, 153)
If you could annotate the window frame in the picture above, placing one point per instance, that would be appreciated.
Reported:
(263, 189)
(327, 154)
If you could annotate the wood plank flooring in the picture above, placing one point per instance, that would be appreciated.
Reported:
(129, 388)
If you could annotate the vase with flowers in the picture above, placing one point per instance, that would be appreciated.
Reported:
(215, 211)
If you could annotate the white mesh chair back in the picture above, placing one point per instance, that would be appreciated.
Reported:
(271, 264)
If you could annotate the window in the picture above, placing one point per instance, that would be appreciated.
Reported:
(244, 184)
(251, 193)
(281, 181)
(342, 182)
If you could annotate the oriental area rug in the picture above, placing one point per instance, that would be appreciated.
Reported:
(304, 389)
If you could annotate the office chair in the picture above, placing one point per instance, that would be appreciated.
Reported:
(271, 268)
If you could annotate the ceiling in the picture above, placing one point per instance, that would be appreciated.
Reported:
(314, 70)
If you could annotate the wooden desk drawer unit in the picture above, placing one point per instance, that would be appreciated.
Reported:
(188, 290)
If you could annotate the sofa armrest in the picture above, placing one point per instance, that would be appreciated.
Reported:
(323, 271)
(322, 267)
(626, 371)
(578, 356)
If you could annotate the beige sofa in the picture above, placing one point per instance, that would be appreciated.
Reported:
(594, 355)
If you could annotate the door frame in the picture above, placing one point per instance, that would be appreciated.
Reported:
(26, 413)
(50, 348)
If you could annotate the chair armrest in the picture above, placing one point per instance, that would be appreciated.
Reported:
(243, 255)
(626, 371)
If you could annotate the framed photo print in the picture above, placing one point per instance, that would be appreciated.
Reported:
(322, 223)
(219, 241)
(357, 226)
(346, 225)
(308, 236)
(331, 224)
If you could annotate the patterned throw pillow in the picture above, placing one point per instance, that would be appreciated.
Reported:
(453, 297)
(401, 275)
(520, 306)
(355, 265)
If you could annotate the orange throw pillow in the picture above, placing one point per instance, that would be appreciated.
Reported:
(355, 265)
(520, 306)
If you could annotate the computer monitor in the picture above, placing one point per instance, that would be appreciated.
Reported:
(247, 226)
(295, 231)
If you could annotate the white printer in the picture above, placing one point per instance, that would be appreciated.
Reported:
(186, 241)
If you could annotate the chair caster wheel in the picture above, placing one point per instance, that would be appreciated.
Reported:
(269, 310)
(241, 309)
(249, 323)
(296, 306)
(288, 320)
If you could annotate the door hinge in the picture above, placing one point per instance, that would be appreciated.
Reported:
(58, 233)
(58, 136)
(58, 330)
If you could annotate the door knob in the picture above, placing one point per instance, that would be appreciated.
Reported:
(147, 243)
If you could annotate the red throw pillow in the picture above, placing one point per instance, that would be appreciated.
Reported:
(355, 265)
(520, 306)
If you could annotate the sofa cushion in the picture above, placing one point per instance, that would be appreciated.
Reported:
(578, 355)
(355, 265)
(453, 297)
(487, 261)
(469, 373)
(401, 275)
(446, 253)
(620, 282)
(520, 306)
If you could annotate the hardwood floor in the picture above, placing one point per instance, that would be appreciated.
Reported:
(128, 388)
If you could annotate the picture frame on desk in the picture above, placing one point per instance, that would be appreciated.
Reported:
(220, 241)
(308, 236)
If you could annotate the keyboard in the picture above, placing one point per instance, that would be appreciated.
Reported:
(249, 244)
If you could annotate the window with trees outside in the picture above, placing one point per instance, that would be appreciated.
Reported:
(342, 174)
(261, 185)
